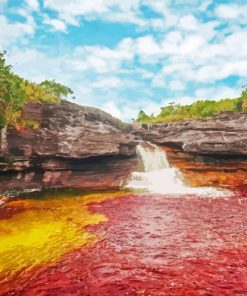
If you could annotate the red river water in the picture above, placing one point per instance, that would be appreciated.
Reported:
(150, 245)
(120, 243)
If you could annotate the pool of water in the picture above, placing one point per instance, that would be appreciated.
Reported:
(121, 243)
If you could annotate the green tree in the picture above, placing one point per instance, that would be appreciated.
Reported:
(11, 99)
(244, 100)
(142, 117)
(47, 92)
(57, 89)
(37, 94)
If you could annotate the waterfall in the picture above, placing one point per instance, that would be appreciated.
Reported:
(152, 158)
(158, 177)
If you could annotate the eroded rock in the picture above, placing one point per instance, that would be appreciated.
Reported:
(225, 134)
(74, 146)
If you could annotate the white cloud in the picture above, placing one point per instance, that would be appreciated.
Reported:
(177, 85)
(111, 82)
(231, 11)
(217, 93)
(173, 53)
(190, 23)
(111, 107)
(35, 65)
(111, 10)
(11, 32)
(32, 4)
(185, 100)
(128, 11)
(102, 59)
(56, 24)
(146, 46)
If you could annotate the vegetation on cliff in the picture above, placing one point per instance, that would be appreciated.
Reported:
(16, 91)
(199, 109)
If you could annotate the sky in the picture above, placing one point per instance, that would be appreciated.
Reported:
(124, 56)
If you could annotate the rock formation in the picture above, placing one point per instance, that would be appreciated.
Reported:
(74, 146)
(224, 134)
(83, 147)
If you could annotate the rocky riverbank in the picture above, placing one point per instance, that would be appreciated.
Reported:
(73, 146)
(224, 134)
(83, 147)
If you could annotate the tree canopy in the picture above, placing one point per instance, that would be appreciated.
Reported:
(199, 109)
(12, 96)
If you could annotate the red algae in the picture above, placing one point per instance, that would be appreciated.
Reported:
(152, 245)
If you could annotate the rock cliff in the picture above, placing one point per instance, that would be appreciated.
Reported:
(74, 146)
(84, 147)
(224, 134)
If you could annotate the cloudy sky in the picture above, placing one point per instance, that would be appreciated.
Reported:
(128, 55)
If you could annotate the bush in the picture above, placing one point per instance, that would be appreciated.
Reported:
(199, 109)
(12, 97)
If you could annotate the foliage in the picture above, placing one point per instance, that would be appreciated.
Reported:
(47, 92)
(15, 92)
(142, 117)
(12, 96)
(31, 123)
(244, 99)
(57, 89)
(37, 94)
(199, 109)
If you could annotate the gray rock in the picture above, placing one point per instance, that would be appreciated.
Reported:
(74, 146)
(225, 134)
(69, 130)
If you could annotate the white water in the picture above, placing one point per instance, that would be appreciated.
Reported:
(159, 177)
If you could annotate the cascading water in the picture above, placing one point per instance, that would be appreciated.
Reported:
(159, 177)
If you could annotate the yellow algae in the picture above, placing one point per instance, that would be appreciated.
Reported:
(46, 229)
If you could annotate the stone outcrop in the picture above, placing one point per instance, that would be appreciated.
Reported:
(224, 134)
(74, 146)
(209, 170)
(69, 130)
(84, 147)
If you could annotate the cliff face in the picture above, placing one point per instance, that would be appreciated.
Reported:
(207, 170)
(74, 146)
(69, 130)
(224, 134)
(84, 147)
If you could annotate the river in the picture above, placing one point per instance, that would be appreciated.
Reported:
(157, 236)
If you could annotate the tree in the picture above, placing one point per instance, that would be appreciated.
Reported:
(11, 99)
(57, 89)
(47, 92)
(37, 94)
(244, 100)
(142, 117)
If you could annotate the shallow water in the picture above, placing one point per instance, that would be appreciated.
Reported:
(169, 239)
(117, 243)
(39, 230)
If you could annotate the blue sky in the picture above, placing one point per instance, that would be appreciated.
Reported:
(130, 55)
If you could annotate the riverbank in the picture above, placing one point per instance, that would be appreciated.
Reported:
(224, 134)
(83, 147)
(73, 146)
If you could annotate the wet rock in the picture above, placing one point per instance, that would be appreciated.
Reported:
(209, 170)
(3, 200)
(224, 134)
